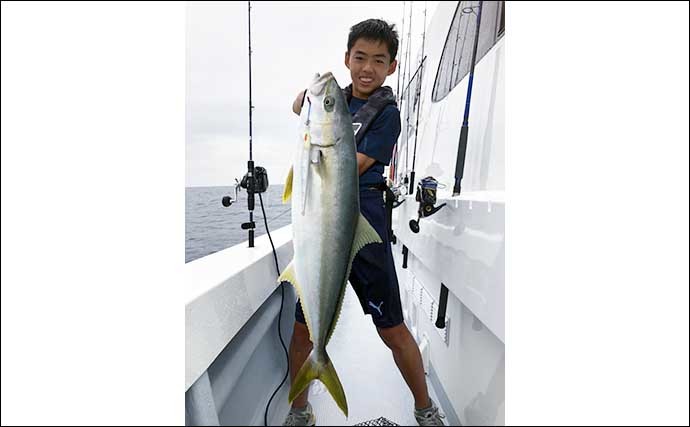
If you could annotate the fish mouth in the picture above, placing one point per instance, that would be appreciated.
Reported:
(319, 83)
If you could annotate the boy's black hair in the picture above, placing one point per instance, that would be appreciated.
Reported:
(376, 30)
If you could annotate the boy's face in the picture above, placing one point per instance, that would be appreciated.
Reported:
(369, 63)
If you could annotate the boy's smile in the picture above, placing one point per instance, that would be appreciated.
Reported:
(369, 63)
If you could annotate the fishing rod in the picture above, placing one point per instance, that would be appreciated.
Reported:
(407, 110)
(402, 38)
(256, 182)
(405, 69)
(398, 98)
(391, 168)
(460, 162)
(462, 146)
(250, 164)
(419, 107)
(256, 179)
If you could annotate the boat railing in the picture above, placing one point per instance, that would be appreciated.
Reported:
(222, 292)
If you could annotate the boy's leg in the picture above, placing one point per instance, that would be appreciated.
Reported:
(409, 361)
(374, 279)
(300, 347)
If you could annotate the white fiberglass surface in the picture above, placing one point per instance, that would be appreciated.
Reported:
(463, 244)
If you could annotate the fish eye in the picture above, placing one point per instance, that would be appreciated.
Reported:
(329, 103)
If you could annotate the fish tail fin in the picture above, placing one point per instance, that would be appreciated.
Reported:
(313, 369)
(330, 379)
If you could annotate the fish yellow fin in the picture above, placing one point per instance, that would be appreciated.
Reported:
(289, 275)
(364, 234)
(287, 192)
(313, 369)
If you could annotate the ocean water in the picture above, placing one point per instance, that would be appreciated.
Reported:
(210, 227)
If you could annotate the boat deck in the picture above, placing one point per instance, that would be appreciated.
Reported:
(373, 385)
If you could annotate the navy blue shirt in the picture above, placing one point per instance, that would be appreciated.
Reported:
(378, 142)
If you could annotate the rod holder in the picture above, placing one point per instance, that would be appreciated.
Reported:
(442, 304)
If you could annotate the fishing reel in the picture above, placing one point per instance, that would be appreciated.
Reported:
(426, 196)
(397, 194)
(259, 180)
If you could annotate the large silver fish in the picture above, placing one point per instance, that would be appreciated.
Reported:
(328, 228)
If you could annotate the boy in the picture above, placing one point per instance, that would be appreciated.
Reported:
(371, 50)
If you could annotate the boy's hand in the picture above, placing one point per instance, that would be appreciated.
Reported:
(299, 101)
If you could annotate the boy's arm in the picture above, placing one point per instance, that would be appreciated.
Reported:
(377, 145)
(364, 162)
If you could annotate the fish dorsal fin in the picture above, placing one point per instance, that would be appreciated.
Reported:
(287, 191)
(364, 234)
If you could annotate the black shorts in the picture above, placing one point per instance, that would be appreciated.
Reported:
(373, 272)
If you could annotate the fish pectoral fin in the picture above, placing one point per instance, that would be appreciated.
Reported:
(311, 370)
(364, 234)
(287, 191)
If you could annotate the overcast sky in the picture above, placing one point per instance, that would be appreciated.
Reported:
(291, 41)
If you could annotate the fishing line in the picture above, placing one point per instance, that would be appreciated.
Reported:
(279, 215)
(280, 312)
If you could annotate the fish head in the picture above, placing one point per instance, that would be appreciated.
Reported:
(325, 114)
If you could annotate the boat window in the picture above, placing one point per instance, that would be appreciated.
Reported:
(457, 52)
(501, 22)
